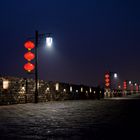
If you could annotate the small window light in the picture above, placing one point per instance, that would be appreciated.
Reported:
(5, 84)
(81, 89)
(70, 88)
(90, 90)
(57, 86)
(48, 88)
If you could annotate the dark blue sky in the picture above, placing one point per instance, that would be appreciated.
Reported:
(90, 37)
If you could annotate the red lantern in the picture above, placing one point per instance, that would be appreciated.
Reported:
(107, 76)
(29, 67)
(107, 80)
(107, 84)
(29, 45)
(124, 85)
(29, 56)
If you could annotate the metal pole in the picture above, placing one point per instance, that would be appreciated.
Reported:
(36, 67)
(26, 89)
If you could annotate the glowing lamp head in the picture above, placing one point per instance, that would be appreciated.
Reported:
(29, 67)
(29, 56)
(49, 41)
(115, 75)
(29, 45)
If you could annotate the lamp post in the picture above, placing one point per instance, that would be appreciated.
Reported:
(113, 84)
(49, 43)
(114, 76)
(36, 66)
(108, 82)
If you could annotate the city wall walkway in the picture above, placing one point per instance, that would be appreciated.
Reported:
(115, 118)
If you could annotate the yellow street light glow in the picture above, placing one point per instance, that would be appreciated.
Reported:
(57, 86)
(90, 90)
(71, 89)
(5, 84)
(81, 89)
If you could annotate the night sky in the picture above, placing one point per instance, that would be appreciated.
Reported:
(90, 37)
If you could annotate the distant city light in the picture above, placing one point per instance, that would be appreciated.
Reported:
(81, 89)
(57, 86)
(48, 88)
(70, 88)
(23, 88)
(130, 82)
(119, 87)
(90, 90)
(49, 41)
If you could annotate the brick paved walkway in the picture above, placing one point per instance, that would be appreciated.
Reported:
(85, 119)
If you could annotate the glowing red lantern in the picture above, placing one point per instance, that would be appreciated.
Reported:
(124, 85)
(107, 76)
(107, 80)
(29, 45)
(29, 67)
(107, 84)
(29, 56)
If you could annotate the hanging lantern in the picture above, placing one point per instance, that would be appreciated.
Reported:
(29, 56)
(29, 45)
(107, 80)
(124, 85)
(107, 76)
(29, 67)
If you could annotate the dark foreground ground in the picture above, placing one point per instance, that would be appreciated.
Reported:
(116, 118)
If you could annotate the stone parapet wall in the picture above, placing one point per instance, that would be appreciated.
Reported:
(15, 90)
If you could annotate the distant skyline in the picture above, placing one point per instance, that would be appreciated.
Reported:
(90, 38)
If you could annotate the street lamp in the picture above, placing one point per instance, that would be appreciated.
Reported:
(48, 43)
(115, 75)
(109, 82)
